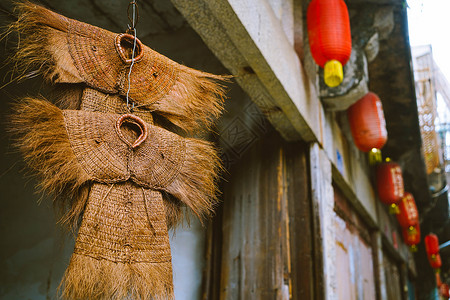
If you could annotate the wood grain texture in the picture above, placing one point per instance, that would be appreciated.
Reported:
(265, 231)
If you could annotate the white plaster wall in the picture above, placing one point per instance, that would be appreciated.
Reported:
(284, 11)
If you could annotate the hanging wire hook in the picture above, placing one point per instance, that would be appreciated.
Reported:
(132, 30)
(134, 17)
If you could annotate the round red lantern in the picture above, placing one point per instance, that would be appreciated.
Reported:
(390, 184)
(330, 38)
(408, 216)
(431, 244)
(411, 236)
(435, 260)
(444, 290)
(367, 123)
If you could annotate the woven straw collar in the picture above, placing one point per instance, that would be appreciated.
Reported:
(101, 59)
(153, 160)
(132, 119)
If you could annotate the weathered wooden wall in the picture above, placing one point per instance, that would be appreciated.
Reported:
(265, 231)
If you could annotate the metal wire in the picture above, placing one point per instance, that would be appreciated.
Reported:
(134, 18)
(132, 28)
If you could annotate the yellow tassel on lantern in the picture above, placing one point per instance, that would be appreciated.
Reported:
(413, 248)
(412, 230)
(394, 209)
(375, 156)
(333, 73)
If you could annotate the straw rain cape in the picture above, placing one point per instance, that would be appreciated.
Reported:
(124, 176)
(123, 165)
(68, 51)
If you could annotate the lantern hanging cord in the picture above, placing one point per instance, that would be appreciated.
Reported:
(132, 29)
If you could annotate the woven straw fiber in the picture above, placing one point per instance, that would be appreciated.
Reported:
(93, 100)
(107, 158)
(123, 227)
(122, 249)
(69, 51)
(185, 168)
(125, 177)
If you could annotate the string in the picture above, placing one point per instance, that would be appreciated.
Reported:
(132, 28)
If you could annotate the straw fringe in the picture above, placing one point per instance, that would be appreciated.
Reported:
(196, 184)
(118, 280)
(173, 209)
(188, 98)
(67, 95)
(43, 47)
(40, 135)
(195, 101)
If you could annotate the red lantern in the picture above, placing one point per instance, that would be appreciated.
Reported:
(408, 216)
(390, 183)
(367, 123)
(445, 290)
(411, 236)
(435, 260)
(431, 244)
(330, 38)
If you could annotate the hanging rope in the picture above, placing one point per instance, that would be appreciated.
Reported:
(132, 30)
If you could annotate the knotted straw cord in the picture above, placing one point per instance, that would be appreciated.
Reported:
(132, 28)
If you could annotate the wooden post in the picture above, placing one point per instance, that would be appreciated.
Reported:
(303, 256)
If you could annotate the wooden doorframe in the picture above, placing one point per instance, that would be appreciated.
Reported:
(297, 243)
(305, 229)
